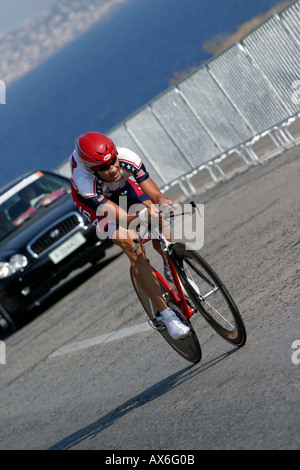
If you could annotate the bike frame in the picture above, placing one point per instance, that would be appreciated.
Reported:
(174, 293)
(166, 247)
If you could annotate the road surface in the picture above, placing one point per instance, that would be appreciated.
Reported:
(88, 372)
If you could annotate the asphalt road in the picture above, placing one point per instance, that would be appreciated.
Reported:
(80, 376)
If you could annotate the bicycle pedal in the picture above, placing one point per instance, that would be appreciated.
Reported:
(156, 326)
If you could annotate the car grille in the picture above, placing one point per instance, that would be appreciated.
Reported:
(54, 234)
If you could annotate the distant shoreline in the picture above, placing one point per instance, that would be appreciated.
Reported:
(26, 46)
(221, 41)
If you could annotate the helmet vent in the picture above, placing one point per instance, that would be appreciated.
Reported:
(106, 149)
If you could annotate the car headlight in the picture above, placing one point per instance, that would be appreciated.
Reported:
(19, 261)
(8, 268)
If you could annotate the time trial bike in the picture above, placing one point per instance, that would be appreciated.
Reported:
(195, 288)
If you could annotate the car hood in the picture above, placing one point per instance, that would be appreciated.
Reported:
(43, 218)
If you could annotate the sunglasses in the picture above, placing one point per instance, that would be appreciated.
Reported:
(107, 166)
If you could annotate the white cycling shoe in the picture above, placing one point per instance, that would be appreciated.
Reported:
(176, 329)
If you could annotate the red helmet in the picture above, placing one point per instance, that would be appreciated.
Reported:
(95, 150)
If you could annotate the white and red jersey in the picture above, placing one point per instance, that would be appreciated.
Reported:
(89, 185)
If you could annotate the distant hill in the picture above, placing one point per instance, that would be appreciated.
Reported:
(27, 45)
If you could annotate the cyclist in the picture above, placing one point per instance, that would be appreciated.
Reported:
(100, 173)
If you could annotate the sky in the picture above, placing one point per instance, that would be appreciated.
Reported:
(12, 12)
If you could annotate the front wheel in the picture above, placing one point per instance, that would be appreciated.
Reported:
(189, 347)
(209, 295)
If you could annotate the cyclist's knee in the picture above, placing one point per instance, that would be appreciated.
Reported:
(156, 244)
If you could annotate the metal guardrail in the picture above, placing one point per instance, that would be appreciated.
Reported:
(224, 106)
(291, 20)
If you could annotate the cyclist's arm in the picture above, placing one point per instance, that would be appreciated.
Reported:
(153, 192)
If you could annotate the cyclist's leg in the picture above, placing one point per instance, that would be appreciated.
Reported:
(146, 278)
(142, 271)
(134, 197)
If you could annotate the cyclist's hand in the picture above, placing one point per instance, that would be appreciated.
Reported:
(165, 209)
(153, 214)
(146, 214)
(156, 212)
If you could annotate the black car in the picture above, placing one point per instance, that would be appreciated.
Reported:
(43, 237)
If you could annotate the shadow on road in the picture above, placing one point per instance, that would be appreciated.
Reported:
(145, 397)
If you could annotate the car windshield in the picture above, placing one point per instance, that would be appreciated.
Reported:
(23, 200)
